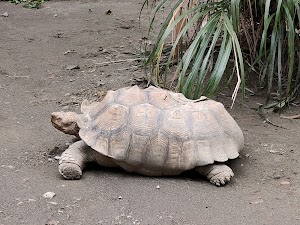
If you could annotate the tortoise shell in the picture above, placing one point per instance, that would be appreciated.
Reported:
(159, 130)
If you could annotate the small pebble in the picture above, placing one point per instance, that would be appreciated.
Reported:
(100, 83)
(5, 14)
(49, 195)
(10, 167)
(53, 203)
(52, 222)
(285, 182)
(72, 67)
(257, 202)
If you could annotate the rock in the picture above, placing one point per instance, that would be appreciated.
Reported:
(100, 83)
(120, 197)
(9, 167)
(139, 79)
(72, 67)
(257, 202)
(52, 222)
(5, 14)
(57, 157)
(53, 203)
(49, 195)
(285, 182)
(157, 187)
(70, 51)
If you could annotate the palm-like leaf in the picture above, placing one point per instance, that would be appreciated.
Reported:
(215, 32)
(207, 34)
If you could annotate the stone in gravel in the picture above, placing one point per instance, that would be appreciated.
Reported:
(10, 167)
(72, 67)
(53, 203)
(285, 182)
(5, 14)
(100, 83)
(49, 195)
(52, 222)
(257, 202)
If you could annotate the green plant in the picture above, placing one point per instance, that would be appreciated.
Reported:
(208, 35)
(31, 4)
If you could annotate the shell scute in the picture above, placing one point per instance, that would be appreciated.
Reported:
(130, 97)
(136, 151)
(161, 98)
(175, 124)
(119, 144)
(144, 119)
(157, 151)
(112, 119)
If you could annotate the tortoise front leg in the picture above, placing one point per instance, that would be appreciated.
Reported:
(218, 174)
(73, 160)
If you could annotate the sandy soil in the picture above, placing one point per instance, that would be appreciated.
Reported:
(51, 59)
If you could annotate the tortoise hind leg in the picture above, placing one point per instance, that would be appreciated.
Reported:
(218, 174)
(73, 160)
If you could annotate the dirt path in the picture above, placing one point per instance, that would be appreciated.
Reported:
(51, 59)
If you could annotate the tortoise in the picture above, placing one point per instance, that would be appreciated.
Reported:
(152, 132)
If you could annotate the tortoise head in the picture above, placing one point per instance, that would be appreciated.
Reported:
(65, 122)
